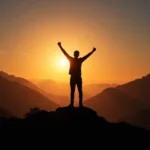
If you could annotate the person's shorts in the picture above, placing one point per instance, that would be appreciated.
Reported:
(75, 80)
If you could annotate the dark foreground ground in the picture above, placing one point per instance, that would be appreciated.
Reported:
(77, 125)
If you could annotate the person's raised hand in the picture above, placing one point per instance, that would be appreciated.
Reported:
(59, 43)
(94, 49)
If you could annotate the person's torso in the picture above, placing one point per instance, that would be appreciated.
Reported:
(75, 66)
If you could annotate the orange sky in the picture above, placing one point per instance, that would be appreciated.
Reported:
(31, 29)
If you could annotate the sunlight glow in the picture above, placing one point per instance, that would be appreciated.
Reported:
(63, 62)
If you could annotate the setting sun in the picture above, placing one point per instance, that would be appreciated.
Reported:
(63, 62)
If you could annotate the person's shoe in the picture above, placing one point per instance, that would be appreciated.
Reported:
(81, 105)
(70, 105)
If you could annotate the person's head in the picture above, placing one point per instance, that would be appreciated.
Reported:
(76, 54)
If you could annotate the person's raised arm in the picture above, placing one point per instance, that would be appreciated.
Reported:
(89, 54)
(64, 52)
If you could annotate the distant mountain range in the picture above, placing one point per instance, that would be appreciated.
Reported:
(93, 89)
(21, 81)
(60, 92)
(127, 102)
(18, 95)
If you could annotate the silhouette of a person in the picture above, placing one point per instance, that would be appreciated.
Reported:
(75, 72)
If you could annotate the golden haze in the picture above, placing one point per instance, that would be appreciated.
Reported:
(29, 41)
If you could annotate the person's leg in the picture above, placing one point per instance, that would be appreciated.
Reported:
(79, 85)
(72, 87)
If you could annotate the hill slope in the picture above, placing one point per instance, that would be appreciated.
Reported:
(140, 118)
(122, 101)
(139, 89)
(18, 99)
(29, 84)
(113, 104)
(5, 113)
(21, 81)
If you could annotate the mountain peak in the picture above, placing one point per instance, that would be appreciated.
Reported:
(62, 114)
(79, 121)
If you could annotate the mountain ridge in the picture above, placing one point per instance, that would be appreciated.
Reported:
(18, 98)
(123, 100)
